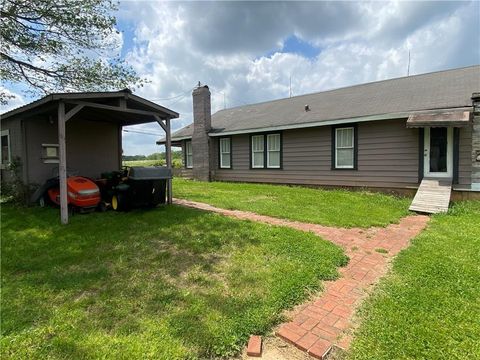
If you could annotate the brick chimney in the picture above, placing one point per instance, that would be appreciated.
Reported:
(201, 142)
(476, 142)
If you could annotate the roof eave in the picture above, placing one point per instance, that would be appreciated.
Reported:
(163, 141)
(390, 116)
(74, 96)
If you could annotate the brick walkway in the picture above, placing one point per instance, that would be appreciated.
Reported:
(327, 319)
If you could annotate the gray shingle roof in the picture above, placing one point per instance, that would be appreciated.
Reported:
(438, 90)
(91, 95)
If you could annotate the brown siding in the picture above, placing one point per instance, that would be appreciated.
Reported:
(184, 171)
(39, 131)
(15, 133)
(92, 148)
(16, 145)
(387, 157)
(465, 157)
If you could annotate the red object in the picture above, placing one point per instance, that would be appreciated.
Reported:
(81, 192)
(254, 347)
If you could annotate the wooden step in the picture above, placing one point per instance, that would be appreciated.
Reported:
(433, 196)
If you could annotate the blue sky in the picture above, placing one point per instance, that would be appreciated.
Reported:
(295, 45)
(247, 51)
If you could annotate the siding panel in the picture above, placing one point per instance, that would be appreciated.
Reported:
(465, 157)
(92, 148)
(14, 128)
(387, 157)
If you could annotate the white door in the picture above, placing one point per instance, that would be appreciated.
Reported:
(438, 152)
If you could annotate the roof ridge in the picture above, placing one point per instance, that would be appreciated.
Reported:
(349, 86)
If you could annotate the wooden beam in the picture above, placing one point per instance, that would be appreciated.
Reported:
(168, 156)
(160, 122)
(62, 166)
(73, 111)
(113, 108)
(122, 102)
(120, 146)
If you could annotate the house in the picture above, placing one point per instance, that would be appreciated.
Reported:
(385, 135)
(86, 141)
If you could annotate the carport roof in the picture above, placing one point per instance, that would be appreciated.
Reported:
(129, 109)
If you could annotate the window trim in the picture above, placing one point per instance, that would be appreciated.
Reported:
(268, 152)
(6, 133)
(50, 159)
(220, 165)
(186, 154)
(265, 150)
(334, 166)
(252, 166)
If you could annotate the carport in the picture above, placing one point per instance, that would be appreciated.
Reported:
(118, 109)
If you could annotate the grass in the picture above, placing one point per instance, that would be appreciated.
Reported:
(429, 306)
(326, 207)
(169, 283)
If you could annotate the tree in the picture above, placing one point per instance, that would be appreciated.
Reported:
(61, 45)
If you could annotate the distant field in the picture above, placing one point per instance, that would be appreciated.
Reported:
(143, 163)
(176, 163)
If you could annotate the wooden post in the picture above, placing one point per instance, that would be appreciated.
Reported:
(168, 156)
(120, 146)
(62, 166)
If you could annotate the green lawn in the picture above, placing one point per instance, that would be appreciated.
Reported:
(327, 207)
(429, 306)
(169, 283)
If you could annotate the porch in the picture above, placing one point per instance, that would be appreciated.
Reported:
(438, 157)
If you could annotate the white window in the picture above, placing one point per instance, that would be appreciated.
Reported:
(344, 148)
(188, 154)
(6, 156)
(273, 151)
(50, 153)
(225, 153)
(258, 151)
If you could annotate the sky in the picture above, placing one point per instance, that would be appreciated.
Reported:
(248, 52)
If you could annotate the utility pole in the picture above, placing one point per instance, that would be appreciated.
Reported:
(408, 68)
(290, 95)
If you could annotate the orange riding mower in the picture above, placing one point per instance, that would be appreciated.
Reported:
(83, 195)
(132, 187)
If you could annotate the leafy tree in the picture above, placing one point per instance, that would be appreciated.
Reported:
(61, 45)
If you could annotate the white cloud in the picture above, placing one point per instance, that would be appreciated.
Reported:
(225, 45)
(15, 99)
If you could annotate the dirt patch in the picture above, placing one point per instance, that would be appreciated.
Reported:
(276, 349)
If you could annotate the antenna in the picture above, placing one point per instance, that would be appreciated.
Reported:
(224, 102)
(408, 68)
(290, 85)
